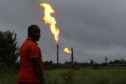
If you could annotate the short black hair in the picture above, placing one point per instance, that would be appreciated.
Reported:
(33, 29)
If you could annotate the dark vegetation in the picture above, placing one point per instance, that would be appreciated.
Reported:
(8, 50)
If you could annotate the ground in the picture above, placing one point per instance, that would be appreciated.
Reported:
(73, 76)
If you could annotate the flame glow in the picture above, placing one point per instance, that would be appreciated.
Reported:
(67, 50)
(50, 20)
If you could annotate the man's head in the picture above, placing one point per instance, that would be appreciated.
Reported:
(34, 32)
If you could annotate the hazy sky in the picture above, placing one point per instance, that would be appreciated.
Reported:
(94, 28)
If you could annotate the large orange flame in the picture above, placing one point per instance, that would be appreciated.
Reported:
(67, 50)
(50, 20)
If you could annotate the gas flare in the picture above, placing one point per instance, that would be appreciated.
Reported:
(67, 50)
(50, 20)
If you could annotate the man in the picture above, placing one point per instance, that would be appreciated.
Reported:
(31, 64)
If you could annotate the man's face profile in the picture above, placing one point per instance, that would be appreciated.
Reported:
(37, 36)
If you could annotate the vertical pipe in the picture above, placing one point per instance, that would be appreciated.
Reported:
(72, 57)
(106, 59)
(57, 53)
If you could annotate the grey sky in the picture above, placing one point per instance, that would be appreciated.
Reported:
(94, 28)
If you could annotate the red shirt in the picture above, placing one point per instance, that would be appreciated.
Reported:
(28, 50)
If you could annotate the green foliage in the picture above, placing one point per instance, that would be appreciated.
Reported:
(72, 76)
(8, 77)
(86, 76)
(8, 49)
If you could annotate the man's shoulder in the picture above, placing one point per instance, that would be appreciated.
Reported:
(28, 43)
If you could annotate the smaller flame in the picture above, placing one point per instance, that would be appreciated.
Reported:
(67, 50)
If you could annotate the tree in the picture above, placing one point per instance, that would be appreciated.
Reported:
(8, 49)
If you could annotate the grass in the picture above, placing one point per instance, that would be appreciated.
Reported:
(73, 76)
(8, 77)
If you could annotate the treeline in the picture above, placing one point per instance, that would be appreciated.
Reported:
(111, 64)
